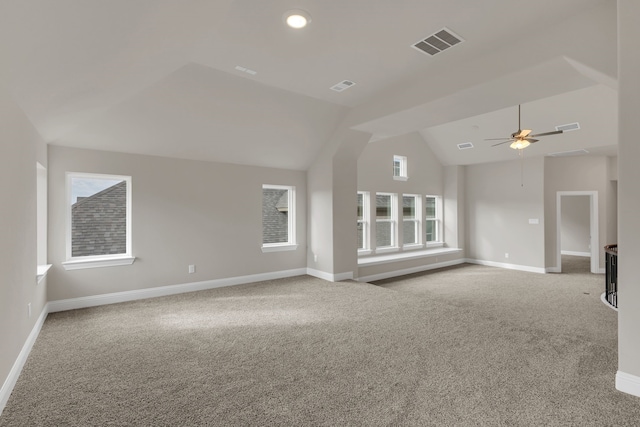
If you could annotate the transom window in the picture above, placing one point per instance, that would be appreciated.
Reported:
(400, 168)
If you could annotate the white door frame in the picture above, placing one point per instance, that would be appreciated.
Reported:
(593, 227)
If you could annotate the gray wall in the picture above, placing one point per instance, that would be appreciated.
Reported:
(628, 189)
(183, 212)
(498, 209)
(20, 148)
(575, 224)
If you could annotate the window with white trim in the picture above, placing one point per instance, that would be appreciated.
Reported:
(411, 221)
(98, 220)
(433, 224)
(400, 168)
(386, 220)
(363, 221)
(278, 218)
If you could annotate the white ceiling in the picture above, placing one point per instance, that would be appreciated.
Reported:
(158, 76)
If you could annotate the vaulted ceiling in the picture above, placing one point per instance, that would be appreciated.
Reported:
(160, 77)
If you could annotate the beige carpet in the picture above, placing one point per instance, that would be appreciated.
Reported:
(469, 345)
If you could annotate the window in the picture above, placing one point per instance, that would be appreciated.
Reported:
(98, 220)
(400, 168)
(278, 218)
(386, 208)
(411, 220)
(363, 222)
(433, 234)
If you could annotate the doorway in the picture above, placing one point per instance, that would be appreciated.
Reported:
(577, 228)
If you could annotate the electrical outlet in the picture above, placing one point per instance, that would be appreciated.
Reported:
(506, 255)
(192, 268)
(29, 309)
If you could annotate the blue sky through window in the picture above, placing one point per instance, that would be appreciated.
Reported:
(85, 187)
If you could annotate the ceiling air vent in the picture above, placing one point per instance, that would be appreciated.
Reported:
(568, 127)
(569, 153)
(343, 85)
(437, 42)
(465, 146)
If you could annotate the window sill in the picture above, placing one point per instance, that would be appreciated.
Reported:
(401, 178)
(42, 272)
(413, 247)
(364, 252)
(404, 256)
(80, 264)
(279, 248)
(387, 250)
(435, 244)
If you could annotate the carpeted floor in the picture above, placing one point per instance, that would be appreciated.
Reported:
(466, 345)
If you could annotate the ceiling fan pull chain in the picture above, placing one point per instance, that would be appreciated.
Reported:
(521, 168)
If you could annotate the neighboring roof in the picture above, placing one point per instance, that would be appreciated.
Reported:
(99, 223)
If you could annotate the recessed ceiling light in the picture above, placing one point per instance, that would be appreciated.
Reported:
(297, 18)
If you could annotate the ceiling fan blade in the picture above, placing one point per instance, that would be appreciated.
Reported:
(524, 133)
(497, 139)
(504, 142)
(531, 140)
(555, 132)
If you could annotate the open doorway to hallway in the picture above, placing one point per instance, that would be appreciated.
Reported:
(577, 231)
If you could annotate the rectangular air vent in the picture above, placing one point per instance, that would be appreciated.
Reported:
(465, 146)
(437, 42)
(343, 85)
(569, 153)
(568, 127)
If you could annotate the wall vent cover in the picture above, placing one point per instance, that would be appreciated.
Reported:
(465, 146)
(438, 41)
(569, 153)
(568, 127)
(343, 85)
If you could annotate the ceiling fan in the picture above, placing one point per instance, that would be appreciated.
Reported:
(522, 137)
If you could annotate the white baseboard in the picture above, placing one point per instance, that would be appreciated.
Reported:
(574, 253)
(96, 300)
(329, 276)
(405, 271)
(14, 373)
(603, 298)
(507, 266)
(628, 383)
(553, 270)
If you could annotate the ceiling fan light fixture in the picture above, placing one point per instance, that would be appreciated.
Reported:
(520, 144)
(297, 18)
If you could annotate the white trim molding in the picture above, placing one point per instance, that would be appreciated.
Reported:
(574, 253)
(16, 369)
(628, 383)
(507, 266)
(329, 276)
(104, 299)
(405, 271)
(603, 298)
(406, 256)
(79, 264)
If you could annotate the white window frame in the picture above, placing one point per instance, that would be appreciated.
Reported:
(417, 220)
(291, 243)
(366, 223)
(438, 219)
(41, 224)
(93, 261)
(402, 170)
(394, 224)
